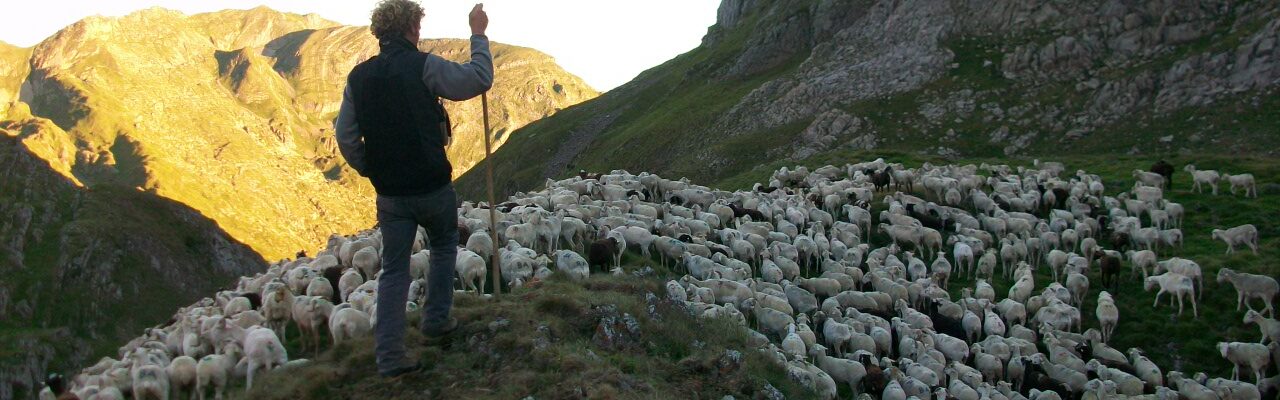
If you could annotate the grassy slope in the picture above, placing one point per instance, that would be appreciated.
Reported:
(677, 359)
(1183, 343)
(655, 115)
(79, 269)
(663, 116)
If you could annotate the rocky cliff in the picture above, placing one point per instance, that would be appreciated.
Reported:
(231, 113)
(790, 80)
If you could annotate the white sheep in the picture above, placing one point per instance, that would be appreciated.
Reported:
(347, 323)
(1148, 178)
(470, 268)
(1108, 315)
(1269, 326)
(572, 263)
(367, 261)
(962, 253)
(1253, 355)
(1141, 260)
(419, 262)
(1126, 384)
(320, 287)
(1145, 369)
(1184, 267)
(792, 344)
(149, 378)
(1203, 177)
(262, 350)
(182, 375)
(277, 307)
(1233, 389)
(841, 370)
(1078, 286)
(1249, 286)
(348, 283)
(1243, 181)
(1246, 234)
(311, 313)
(1177, 285)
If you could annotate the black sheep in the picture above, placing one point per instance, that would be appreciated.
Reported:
(255, 299)
(601, 253)
(881, 179)
(875, 380)
(1036, 378)
(56, 384)
(1061, 196)
(763, 189)
(1164, 169)
(1109, 267)
(942, 323)
(1120, 241)
(464, 232)
(929, 218)
(334, 274)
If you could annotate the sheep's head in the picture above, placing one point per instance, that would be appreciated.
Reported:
(1252, 317)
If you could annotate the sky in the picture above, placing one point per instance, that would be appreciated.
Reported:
(606, 42)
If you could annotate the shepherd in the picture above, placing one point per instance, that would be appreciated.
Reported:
(392, 128)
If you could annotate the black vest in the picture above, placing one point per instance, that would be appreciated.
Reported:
(403, 124)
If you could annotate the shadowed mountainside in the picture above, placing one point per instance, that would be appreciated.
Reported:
(86, 268)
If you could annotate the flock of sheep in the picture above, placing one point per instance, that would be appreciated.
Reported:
(794, 264)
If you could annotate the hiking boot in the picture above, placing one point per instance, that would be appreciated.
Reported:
(441, 336)
(401, 371)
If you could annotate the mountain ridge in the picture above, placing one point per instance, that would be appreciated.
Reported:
(267, 86)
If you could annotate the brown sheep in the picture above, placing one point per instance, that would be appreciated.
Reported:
(1109, 267)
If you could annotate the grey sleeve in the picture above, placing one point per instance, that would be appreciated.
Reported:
(459, 82)
(350, 143)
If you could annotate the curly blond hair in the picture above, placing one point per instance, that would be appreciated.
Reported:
(395, 18)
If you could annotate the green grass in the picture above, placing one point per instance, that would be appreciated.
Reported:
(676, 355)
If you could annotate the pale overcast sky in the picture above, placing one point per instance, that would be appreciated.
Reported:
(606, 42)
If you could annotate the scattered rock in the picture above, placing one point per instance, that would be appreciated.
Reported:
(647, 271)
(651, 305)
(730, 361)
(542, 338)
(499, 324)
(615, 332)
(768, 392)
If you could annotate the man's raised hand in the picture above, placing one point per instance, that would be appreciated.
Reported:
(479, 20)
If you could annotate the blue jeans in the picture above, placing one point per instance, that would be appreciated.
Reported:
(398, 219)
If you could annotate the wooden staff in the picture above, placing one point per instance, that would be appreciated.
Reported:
(493, 205)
